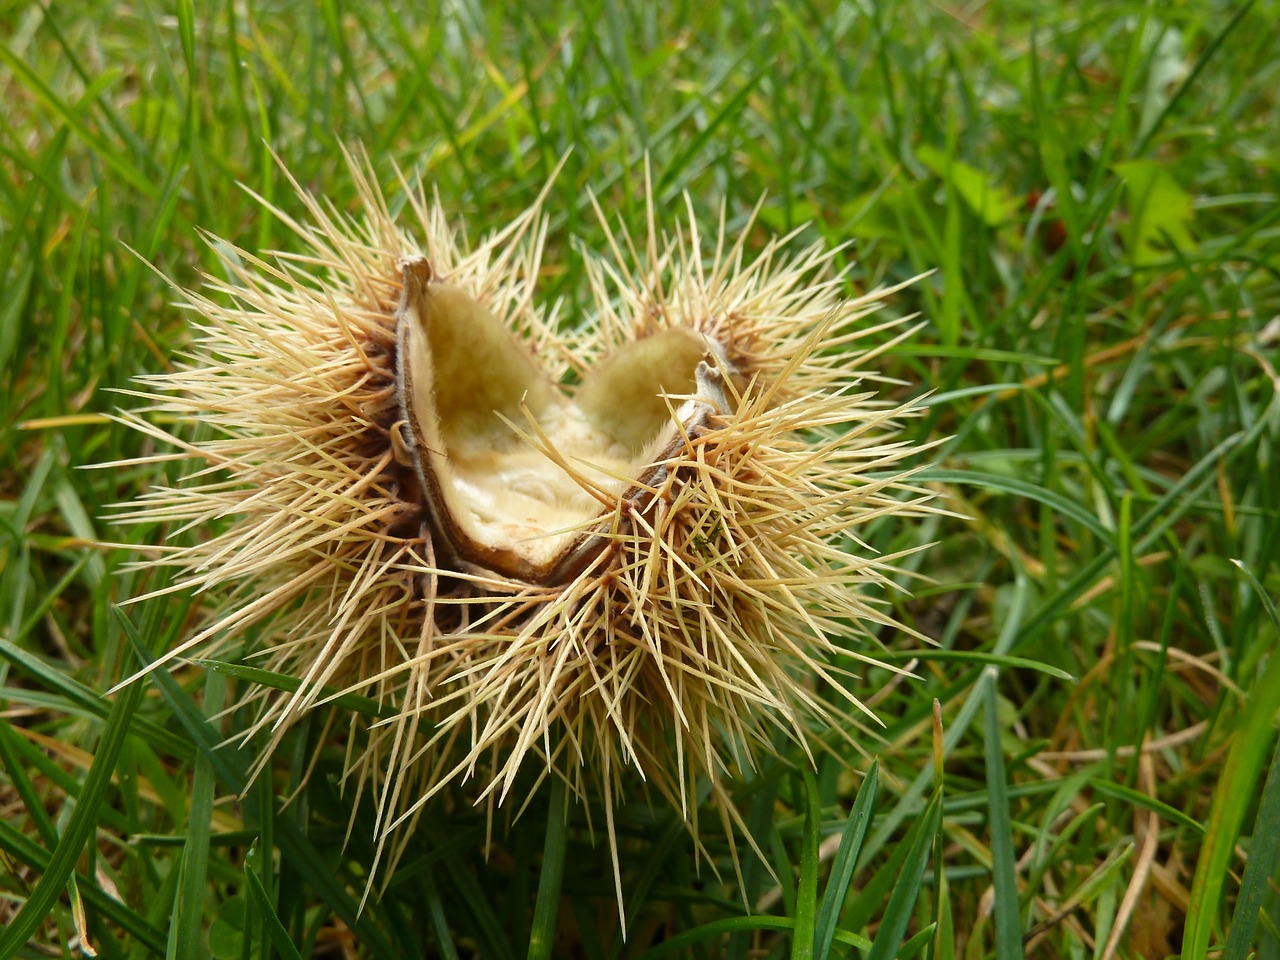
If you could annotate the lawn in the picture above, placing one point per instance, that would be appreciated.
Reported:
(1083, 760)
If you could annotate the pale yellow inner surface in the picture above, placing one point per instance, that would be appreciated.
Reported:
(502, 491)
(508, 495)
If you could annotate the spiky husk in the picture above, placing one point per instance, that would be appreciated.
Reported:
(709, 620)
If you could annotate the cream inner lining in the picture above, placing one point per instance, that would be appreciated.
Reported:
(469, 390)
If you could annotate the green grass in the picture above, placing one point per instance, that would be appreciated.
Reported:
(1095, 188)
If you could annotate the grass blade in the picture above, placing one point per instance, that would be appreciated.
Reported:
(278, 681)
(1231, 799)
(439, 921)
(1003, 859)
(261, 902)
(80, 826)
(855, 830)
(803, 936)
(488, 928)
(546, 908)
(975, 656)
(718, 928)
(906, 891)
(1022, 488)
(188, 915)
(1264, 855)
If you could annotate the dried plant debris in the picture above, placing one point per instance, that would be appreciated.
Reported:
(580, 549)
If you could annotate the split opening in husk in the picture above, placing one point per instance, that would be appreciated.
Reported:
(521, 505)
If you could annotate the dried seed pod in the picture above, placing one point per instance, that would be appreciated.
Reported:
(404, 498)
